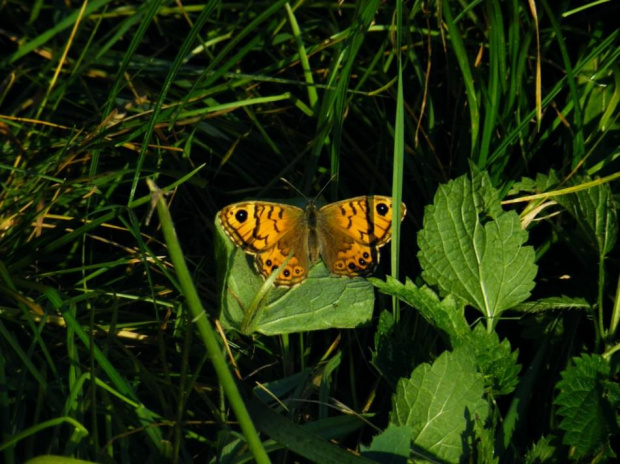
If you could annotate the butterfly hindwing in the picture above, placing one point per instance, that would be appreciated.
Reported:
(295, 242)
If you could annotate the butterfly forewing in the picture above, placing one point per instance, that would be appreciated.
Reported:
(256, 226)
(367, 220)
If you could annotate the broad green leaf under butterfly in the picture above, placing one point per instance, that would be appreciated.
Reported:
(321, 302)
(440, 402)
(472, 249)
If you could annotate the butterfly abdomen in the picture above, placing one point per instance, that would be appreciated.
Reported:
(313, 238)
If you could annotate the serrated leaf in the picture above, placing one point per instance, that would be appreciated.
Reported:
(445, 315)
(439, 402)
(600, 101)
(544, 451)
(485, 444)
(473, 250)
(321, 302)
(394, 350)
(542, 183)
(392, 446)
(596, 215)
(555, 303)
(588, 404)
(496, 361)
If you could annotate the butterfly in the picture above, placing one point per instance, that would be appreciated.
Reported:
(347, 235)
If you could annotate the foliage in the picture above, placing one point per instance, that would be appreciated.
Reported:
(440, 402)
(588, 402)
(128, 334)
(471, 249)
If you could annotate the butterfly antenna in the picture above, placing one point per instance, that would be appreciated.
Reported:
(294, 188)
(325, 186)
(302, 194)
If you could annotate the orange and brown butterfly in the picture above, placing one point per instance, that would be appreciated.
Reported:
(347, 235)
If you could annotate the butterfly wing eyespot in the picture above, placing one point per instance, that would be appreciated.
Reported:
(352, 231)
(353, 260)
(269, 231)
(371, 219)
(255, 226)
(295, 271)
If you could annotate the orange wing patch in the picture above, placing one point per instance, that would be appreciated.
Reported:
(353, 260)
(257, 226)
(295, 270)
(367, 220)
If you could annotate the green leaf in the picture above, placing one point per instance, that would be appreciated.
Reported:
(542, 183)
(321, 302)
(306, 440)
(596, 216)
(544, 451)
(392, 446)
(282, 388)
(472, 249)
(51, 459)
(234, 451)
(440, 402)
(588, 404)
(394, 352)
(600, 96)
(445, 315)
(496, 361)
(554, 303)
(485, 452)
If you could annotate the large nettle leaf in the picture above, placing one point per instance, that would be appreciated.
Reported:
(592, 208)
(471, 248)
(441, 403)
(588, 403)
(596, 215)
(321, 302)
(392, 446)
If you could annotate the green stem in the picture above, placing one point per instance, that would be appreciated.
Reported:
(207, 333)
(599, 328)
(615, 316)
(313, 96)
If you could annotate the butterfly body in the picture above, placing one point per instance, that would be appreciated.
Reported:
(346, 235)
